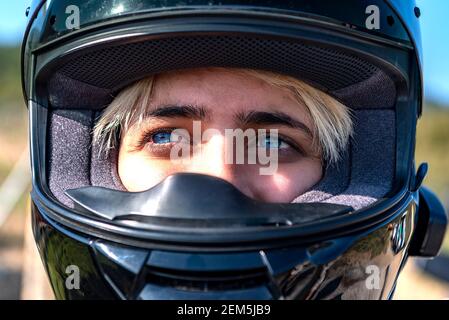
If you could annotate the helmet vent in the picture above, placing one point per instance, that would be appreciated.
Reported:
(206, 281)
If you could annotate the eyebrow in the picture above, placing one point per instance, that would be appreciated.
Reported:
(252, 117)
(273, 118)
(173, 111)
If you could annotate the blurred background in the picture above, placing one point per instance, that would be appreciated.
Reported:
(19, 263)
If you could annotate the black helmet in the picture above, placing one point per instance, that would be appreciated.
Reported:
(204, 239)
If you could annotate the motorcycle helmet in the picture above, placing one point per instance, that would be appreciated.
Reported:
(193, 236)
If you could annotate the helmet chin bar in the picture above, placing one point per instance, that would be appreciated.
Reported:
(196, 200)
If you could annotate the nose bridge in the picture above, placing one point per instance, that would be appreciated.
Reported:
(214, 156)
(210, 157)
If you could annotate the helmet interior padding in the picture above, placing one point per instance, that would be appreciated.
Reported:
(90, 81)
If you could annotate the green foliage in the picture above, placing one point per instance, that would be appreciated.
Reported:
(10, 86)
(13, 119)
(432, 146)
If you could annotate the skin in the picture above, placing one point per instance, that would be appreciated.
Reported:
(221, 100)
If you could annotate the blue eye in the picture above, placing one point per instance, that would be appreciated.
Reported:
(161, 137)
(272, 143)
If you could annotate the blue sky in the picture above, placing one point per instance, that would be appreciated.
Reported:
(435, 35)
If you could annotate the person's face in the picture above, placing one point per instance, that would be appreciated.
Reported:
(222, 100)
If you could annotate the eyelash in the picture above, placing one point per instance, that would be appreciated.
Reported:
(295, 146)
(147, 136)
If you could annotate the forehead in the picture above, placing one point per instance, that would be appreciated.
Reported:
(224, 92)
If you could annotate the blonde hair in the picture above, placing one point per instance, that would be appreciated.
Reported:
(332, 120)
